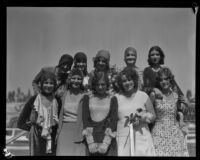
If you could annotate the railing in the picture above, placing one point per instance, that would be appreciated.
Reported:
(16, 137)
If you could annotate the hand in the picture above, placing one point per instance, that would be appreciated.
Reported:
(141, 116)
(92, 147)
(103, 147)
(158, 93)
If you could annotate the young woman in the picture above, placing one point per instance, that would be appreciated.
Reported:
(101, 64)
(69, 124)
(99, 114)
(80, 62)
(61, 71)
(135, 102)
(167, 136)
(40, 117)
(130, 58)
(155, 60)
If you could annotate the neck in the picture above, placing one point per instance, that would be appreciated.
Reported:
(155, 66)
(166, 91)
(131, 65)
(131, 93)
(101, 96)
(75, 91)
(48, 96)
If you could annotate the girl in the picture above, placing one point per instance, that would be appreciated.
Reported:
(134, 102)
(69, 130)
(167, 136)
(100, 118)
(40, 117)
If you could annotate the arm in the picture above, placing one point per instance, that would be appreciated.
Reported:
(146, 82)
(87, 126)
(25, 115)
(149, 115)
(111, 128)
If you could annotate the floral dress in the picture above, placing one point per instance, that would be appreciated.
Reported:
(166, 133)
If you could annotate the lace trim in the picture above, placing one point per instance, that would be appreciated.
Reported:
(88, 134)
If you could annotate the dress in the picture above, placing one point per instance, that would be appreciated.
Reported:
(70, 127)
(144, 143)
(167, 136)
(27, 121)
(100, 116)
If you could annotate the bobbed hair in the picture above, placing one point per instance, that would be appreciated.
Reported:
(48, 75)
(162, 55)
(166, 72)
(80, 57)
(129, 72)
(98, 75)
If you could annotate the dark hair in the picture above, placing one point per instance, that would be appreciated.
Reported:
(65, 59)
(96, 59)
(48, 75)
(162, 56)
(81, 57)
(98, 75)
(128, 72)
(167, 72)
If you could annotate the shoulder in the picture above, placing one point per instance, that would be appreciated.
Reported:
(147, 69)
(142, 94)
(32, 99)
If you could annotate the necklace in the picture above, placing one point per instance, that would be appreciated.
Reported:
(155, 70)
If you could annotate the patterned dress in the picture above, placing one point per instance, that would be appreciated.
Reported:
(167, 136)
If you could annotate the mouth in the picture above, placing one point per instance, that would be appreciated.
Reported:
(155, 60)
(131, 60)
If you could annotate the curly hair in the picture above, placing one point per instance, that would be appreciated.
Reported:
(98, 75)
(76, 71)
(166, 72)
(129, 72)
(48, 75)
(162, 56)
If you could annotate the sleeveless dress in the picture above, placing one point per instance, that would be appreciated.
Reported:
(166, 133)
(143, 140)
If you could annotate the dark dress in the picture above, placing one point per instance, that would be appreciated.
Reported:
(110, 121)
(27, 121)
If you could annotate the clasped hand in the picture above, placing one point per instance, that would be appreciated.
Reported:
(101, 148)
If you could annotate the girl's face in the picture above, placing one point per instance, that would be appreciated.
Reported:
(101, 87)
(101, 64)
(76, 81)
(64, 68)
(164, 82)
(155, 57)
(48, 86)
(131, 58)
(127, 84)
(81, 65)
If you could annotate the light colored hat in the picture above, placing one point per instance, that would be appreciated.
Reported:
(103, 53)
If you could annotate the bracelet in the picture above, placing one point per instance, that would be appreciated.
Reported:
(107, 140)
(89, 139)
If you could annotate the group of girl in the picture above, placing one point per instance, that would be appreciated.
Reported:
(76, 113)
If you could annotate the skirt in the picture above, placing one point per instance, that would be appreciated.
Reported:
(65, 142)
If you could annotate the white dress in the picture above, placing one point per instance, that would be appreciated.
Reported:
(143, 140)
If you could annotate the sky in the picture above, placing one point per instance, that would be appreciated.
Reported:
(38, 36)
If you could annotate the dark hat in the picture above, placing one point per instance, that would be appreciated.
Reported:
(66, 58)
(76, 71)
(80, 56)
